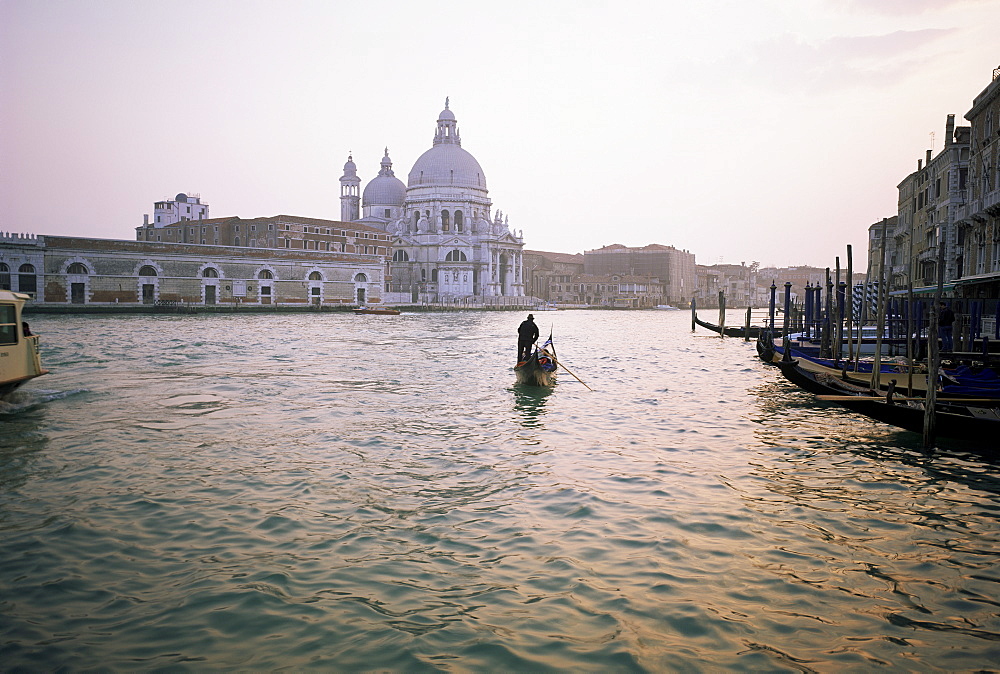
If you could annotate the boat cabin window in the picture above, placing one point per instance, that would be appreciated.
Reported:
(8, 324)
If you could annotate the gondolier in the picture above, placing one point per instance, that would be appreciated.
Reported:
(527, 334)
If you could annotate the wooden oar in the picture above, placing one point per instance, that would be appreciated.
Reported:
(559, 363)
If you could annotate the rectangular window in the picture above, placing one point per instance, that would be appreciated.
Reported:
(8, 325)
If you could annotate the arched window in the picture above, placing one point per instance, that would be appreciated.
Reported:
(210, 272)
(236, 241)
(361, 278)
(77, 268)
(4, 277)
(265, 274)
(456, 256)
(400, 256)
(445, 223)
(26, 279)
(315, 276)
(147, 270)
(458, 221)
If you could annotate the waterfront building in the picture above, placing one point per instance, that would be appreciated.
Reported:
(279, 231)
(59, 271)
(447, 243)
(619, 291)
(674, 269)
(543, 269)
(928, 202)
(737, 281)
(978, 217)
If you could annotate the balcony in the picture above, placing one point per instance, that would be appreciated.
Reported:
(991, 202)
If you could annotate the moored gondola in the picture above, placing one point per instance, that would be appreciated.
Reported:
(973, 420)
(739, 332)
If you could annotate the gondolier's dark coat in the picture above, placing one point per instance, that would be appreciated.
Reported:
(527, 334)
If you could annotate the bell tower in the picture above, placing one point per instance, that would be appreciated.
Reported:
(350, 192)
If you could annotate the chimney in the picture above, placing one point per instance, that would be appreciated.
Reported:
(920, 164)
(145, 219)
(949, 130)
(928, 157)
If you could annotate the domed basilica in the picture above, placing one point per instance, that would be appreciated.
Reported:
(445, 243)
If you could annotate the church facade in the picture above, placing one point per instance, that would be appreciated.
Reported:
(447, 244)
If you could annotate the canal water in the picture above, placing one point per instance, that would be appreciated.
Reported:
(357, 493)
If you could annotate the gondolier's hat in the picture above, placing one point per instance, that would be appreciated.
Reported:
(532, 316)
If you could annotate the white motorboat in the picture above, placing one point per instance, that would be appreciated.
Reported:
(19, 358)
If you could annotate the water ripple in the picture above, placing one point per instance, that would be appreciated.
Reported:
(296, 492)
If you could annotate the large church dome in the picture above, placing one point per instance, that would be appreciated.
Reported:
(385, 189)
(446, 164)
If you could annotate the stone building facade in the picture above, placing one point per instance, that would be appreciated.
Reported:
(978, 217)
(928, 202)
(674, 269)
(107, 272)
(544, 269)
(280, 231)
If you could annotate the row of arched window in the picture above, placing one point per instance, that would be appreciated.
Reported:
(452, 256)
(26, 279)
(446, 220)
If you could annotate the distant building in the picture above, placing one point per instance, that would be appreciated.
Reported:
(279, 231)
(737, 281)
(978, 218)
(180, 208)
(674, 269)
(542, 270)
(620, 291)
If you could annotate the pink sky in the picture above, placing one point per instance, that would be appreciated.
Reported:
(774, 131)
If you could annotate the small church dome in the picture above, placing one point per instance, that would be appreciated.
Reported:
(385, 189)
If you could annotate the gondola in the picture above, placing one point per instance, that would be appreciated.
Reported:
(539, 368)
(977, 422)
(961, 382)
(739, 332)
